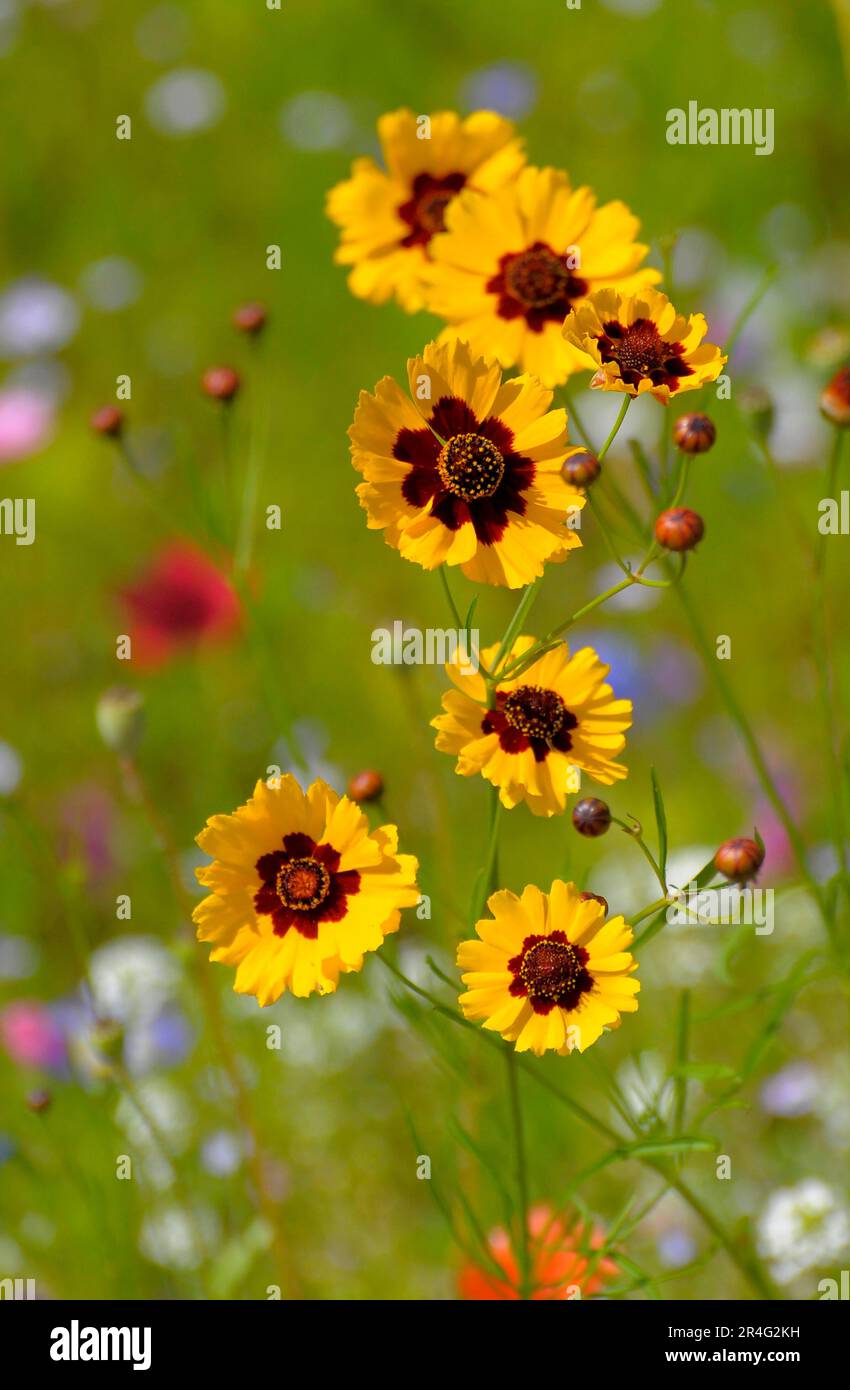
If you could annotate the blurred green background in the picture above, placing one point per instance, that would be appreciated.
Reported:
(128, 257)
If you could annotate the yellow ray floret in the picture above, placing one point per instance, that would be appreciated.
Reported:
(639, 344)
(547, 971)
(466, 469)
(544, 726)
(301, 889)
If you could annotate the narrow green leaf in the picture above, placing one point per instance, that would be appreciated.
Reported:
(661, 823)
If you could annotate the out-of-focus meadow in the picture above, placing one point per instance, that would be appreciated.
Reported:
(127, 258)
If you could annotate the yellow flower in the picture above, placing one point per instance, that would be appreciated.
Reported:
(512, 264)
(467, 471)
(553, 718)
(388, 217)
(301, 889)
(548, 970)
(640, 343)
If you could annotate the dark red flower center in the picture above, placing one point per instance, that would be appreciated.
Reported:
(425, 210)
(535, 712)
(536, 284)
(531, 717)
(471, 466)
(550, 971)
(303, 884)
(466, 468)
(641, 353)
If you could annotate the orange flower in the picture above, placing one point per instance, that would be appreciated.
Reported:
(561, 1269)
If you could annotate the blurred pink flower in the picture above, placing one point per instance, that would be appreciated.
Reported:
(31, 1035)
(26, 423)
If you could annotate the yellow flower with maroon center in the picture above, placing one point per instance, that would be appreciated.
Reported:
(547, 970)
(544, 724)
(389, 216)
(301, 889)
(640, 344)
(512, 264)
(467, 469)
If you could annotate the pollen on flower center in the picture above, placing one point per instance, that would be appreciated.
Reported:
(537, 277)
(640, 351)
(535, 712)
(303, 884)
(470, 466)
(552, 970)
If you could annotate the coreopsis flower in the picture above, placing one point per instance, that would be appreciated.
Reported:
(512, 264)
(467, 470)
(545, 724)
(548, 971)
(301, 889)
(563, 1266)
(389, 216)
(638, 342)
(182, 600)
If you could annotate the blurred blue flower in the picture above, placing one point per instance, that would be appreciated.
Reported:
(509, 88)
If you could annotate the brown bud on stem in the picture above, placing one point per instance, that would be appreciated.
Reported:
(694, 434)
(679, 529)
(108, 420)
(739, 859)
(366, 786)
(595, 898)
(250, 318)
(581, 469)
(38, 1101)
(835, 399)
(220, 383)
(591, 816)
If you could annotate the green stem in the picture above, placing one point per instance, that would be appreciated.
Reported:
(827, 693)
(521, 1172)
(627, 400)
(751, 744)
(512, 631)
(253, 475)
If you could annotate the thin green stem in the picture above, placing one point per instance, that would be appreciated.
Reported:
(627, 400)
(253, 474)
(521, 1172)
(749, 308)
(827, 691)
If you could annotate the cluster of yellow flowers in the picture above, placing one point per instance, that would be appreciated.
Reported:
(465, 468)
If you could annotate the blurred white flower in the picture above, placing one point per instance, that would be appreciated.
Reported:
(158, 1124)
(174, 1238)
(18, 958)
(315, 121)
(221, 1153)
(133, 977)
(802, 1228)
(36, 316)
(111, 284)
(185, 102)
(11, 764)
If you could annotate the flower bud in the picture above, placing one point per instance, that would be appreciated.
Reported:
(250, 318)
(591, 816)
(757, 405)
(220, 383)
(739, 859)
(694, 434)
(366, 786)
(679, 529)
(581, 469)
(38, 1101)
(120, 718)
(595, 898)
(835, 399)
(109, 420)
